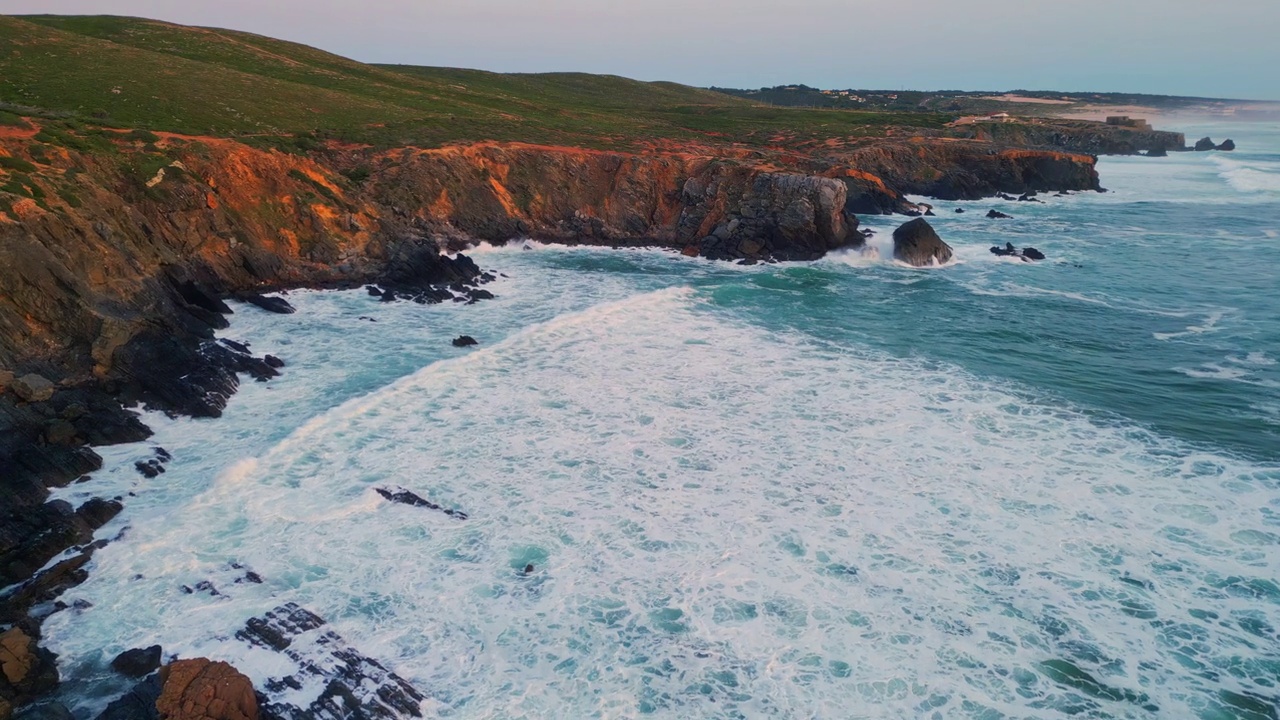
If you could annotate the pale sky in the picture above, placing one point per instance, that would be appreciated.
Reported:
(1226, 48)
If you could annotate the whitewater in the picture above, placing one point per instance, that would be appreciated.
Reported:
(845, 488)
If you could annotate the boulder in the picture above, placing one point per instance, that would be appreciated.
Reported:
(27, 671)
(916, 243)
(33, 388)
(204, 690)
(277, 305)
(273, 362)
(1158, 152)
(1204, 144)
(1227, 145)
(465, 341)
(137, 663)
(959, 211)
(997, 215)
(1031, 253)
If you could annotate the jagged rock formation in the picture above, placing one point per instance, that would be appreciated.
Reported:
(1204, 144)
(917, 244)
(343, 682)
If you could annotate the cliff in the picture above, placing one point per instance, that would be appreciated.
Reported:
(1078, 136)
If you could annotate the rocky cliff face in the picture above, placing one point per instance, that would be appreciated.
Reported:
(1078, 136)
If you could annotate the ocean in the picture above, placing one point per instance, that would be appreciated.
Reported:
(839, 489)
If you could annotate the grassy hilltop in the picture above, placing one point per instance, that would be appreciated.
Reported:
(130, 72)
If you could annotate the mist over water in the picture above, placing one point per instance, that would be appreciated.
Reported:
(838, 489)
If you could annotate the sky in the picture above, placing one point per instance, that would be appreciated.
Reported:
(1227, 48)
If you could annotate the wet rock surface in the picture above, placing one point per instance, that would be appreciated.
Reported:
(917, 244)
(27, 671)
(138, 662)
(342, 682)
(405, 497)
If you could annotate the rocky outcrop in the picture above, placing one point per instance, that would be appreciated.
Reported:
(969, 170)
(204, 690)
(1204, 144)
(1227, 145)
(1078, 136)
(138, 662)
(27, 671)
(917, 244)
(1157, 152)
(349, 684)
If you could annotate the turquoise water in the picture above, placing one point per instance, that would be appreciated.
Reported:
(839, 489)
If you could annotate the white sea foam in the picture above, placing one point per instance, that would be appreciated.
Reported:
(723, 522)
(1249, 176)
(1208, 325)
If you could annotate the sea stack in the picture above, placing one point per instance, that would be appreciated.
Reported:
(916, 243)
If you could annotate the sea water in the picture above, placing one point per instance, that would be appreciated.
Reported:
(845, 488)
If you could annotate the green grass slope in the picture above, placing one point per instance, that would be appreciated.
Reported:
(142, 73)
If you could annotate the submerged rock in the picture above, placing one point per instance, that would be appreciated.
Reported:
(465, 341)
(916, 243)
(997, 215)
(404, 497)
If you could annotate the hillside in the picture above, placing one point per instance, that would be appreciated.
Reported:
(132, 72)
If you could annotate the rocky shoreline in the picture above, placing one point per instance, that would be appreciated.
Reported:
(116, 275)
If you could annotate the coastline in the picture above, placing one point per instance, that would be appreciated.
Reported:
(741, 212)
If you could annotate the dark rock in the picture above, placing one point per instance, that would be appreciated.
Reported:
(137, 704)
(197, 296)
(150, 469)
(1158, 152)
(1227, 145)
(916, 244)
(404, 497)
(465, 341)
(997, 215)
(98, 512)
(1204, 144)
(373, 290)
(137, 663)
(1032, 254)
(60, 432)
(272, 304)
(959, 211)
(355, 686)
(273, 362)
(239, 347)
(33, 388)
(1007, 251)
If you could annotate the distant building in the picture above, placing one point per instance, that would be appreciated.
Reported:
(1000, 118)
(1126, 121)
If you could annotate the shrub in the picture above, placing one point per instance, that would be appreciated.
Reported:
(14, 163)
